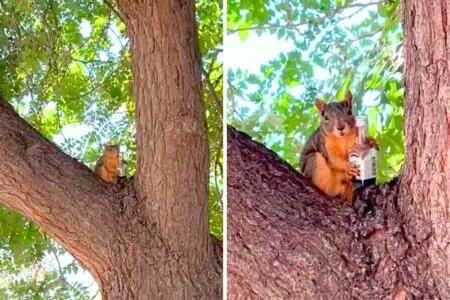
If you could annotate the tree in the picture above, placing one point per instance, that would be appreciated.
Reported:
(152, 238)
(391, 244)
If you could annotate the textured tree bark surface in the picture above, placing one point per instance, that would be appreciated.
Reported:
(56, 192)
(172, 173)
(149, 240)
(425, 190)
(167, 89)
(288, 241)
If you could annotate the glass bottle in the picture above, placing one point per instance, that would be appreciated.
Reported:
(363, 156)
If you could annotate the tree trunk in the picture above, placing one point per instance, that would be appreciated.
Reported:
(150, 240)
(170, 112)
(425, 189)
(286, 240)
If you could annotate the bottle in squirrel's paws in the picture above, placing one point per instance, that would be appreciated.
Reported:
(109, 166)
(325, 157)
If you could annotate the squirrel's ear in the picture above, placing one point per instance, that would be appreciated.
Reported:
(320, 105)
(348, 99)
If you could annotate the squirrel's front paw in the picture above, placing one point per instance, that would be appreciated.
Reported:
(352, 170)
(372, 143)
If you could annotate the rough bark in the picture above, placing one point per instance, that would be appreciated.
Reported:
(150, 240)
(52, 189)
(425, 189)
(167, 90)
(288, 241)
(172, 173)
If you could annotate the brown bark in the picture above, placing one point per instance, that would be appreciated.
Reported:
(425, 189)
(150, 240)
(167, 91)
(287, 241)
(51, 189)
(172, 173)
(393, 243)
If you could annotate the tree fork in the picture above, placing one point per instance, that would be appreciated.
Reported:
(107, 231)
(300, 244)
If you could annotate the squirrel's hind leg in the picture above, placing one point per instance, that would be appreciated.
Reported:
(347, 191)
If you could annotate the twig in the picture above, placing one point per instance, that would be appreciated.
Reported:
(118, 13)
(233, 101)
(61, 273)
(211, 89)
(93, 297)
(366, 35)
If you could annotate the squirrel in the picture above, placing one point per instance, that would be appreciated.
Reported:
(324, 159)
(109, 166)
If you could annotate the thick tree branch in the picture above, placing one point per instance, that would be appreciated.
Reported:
(55, 191)
(172, 154)
(287, 241)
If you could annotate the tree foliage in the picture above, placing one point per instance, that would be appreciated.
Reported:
(334, 45)
(65, 67)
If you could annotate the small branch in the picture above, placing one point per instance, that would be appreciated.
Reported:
(211, 89)
(61, 274)
(234, 111)
(366, 35)
(212, 92)
(317, 21)
(218, 169)
(93, 297)
(117, 12)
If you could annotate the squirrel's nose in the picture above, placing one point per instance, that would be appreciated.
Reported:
(340, 126)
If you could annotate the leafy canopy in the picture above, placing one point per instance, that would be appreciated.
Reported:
(332, 46)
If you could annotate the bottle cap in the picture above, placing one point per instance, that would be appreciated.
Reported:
(361, 121)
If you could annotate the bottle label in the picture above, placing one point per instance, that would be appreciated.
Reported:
(121, 171)
(366, 163)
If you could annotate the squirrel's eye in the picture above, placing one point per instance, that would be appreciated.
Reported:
(326, 117)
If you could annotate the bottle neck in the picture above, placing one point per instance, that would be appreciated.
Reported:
(361, 134)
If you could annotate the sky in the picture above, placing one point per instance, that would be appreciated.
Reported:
(256, 51)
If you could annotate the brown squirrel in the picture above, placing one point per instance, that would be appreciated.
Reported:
(109, 165)
(324, 159)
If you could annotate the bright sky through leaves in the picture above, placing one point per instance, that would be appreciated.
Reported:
(278, 68)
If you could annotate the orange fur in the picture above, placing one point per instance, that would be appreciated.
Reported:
(335, 177)
(108, 167)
